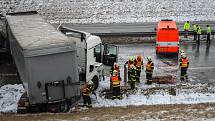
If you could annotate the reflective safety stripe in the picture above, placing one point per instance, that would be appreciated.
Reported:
(167, 43)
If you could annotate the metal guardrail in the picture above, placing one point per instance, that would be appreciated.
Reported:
(146, 34)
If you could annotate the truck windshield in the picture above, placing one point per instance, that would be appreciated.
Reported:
(97, 53)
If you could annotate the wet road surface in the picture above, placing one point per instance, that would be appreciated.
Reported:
(201, 58)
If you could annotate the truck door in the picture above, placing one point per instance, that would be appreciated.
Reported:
(110, 54)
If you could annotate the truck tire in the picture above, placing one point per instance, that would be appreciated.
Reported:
(64, 106)
(95, 82)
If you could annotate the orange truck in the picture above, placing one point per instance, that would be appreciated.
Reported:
(167, 39)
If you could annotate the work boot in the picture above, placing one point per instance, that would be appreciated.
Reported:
(89, 106)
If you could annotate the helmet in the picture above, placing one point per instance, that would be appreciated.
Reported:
(139, 57)
(149, 58)
(181, 51)
(183, 55)
(114, 72)
(131, 59)
(90, 82)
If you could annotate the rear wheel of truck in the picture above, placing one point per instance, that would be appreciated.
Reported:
(95, 82)
(64, 106)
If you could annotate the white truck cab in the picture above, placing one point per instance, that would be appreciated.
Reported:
(91, 54)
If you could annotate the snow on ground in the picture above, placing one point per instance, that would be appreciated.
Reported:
(114, 11)
(9, 96)
(182, 97)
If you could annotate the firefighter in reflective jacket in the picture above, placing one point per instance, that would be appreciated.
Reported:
(115, 81)
(87, 90)
(139, 66)
(184, 64)
(130, 62)
(186, 28)
(149, 70)
(133, 77)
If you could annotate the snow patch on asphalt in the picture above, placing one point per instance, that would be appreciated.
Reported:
(9, 96)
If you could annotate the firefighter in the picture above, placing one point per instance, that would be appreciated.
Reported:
(186, 28)
(87, 90)
(199, 32)
(194, 32)
(129, 62)
(183, 64)
(208, 34)
(133, 76)
(149, 70)
(115, 81)
(138, 62)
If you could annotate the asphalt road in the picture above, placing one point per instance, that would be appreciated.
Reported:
(202, 60)
(127, 28)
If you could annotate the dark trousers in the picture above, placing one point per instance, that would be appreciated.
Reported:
(116, 92)
(198, 36)
(132, 85)
(186, 33)
(149, 77)
(183, 74)
(87, 100)
(138, 75)
(194, 36)
(208, 38)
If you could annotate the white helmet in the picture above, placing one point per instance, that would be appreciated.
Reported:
(90, 82)
(149, 58)
(183, 55)
(181, 51)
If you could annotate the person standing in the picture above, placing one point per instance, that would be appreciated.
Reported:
(186, 28)
(199, 32)
(133, 77)
(87, 90)
(194, 32)
(130, 62)
(208, 34)
(149, 70)
(183, 64)
(115, 81)
(138, 63)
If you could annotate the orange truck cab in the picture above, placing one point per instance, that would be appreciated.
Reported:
(167, 39)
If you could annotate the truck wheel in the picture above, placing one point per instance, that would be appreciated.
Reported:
(64, 106)
(95, 82)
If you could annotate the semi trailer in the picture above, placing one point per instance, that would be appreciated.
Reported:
(46, 61)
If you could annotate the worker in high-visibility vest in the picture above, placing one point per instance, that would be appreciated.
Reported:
(138, 63)
(149, 70)
(208, 34)
(87, 90)
(130, 62)
(186, 28)
(115, 81)
(133, 77)
(194, 32)
(183, 64)
(199, 32)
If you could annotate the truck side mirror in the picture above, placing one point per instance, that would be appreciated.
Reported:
(91, 68)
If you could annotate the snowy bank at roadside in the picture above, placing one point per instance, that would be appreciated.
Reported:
(9, 96)
(183, 96)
